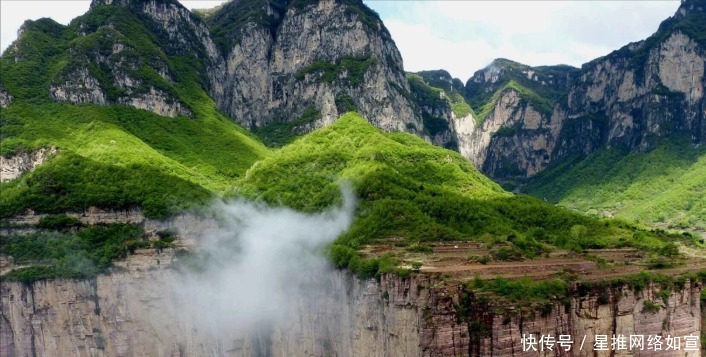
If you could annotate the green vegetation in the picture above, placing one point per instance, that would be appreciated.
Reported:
(539, 103)
(345, 104)
(666, 186)
(506, 131)
(442, 79)
(227, 23)
(58, 222)
(83, 254)
(411, 189)
(74, 183)
(424, 94)
(113, 156)
(459, 105)
(280, 134)
(540, 86)
(521, 291)
(429, 96)
(349, 69)
(526, 293)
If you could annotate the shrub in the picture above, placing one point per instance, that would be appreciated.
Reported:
(650, 307)
(83, 254)
(58, 222)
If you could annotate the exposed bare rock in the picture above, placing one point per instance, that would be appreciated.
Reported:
(632, 98)
(681, 66)
(80, 88)
(275, 76)
(5, 98)
(156, 102)
(127, 314)
(17, 164)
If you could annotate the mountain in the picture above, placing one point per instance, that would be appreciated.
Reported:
(266, 57)
(661, 187)
(413, 193)
(547, 130)
(289, 67)
(440, 104)
(111, 112)
(632, 130)
(633, 98)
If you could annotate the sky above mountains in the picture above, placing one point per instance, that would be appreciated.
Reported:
(459, 36)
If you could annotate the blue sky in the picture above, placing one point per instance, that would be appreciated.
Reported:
(459, 36)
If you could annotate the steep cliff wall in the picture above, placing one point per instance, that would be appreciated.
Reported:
(110, 64)
(130, 312)
(632, 98)
(289, 56)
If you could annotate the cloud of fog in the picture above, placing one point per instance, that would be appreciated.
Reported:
(259, 265)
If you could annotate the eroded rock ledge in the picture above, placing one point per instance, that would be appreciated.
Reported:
(15, 165)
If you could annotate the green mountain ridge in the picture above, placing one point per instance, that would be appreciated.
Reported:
(412, 192)
(105, 150)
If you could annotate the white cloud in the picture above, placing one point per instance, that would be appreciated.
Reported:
(459, 36)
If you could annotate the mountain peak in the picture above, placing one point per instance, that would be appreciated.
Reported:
(688, 7)
(129, 3)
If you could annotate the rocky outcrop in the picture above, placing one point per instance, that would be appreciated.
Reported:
(433, 94)
(21, 162)
(5, 98)
(514, 139)
(113, 70)
(79, 88)
(633, 105)
(135, 311)
(158, 102)
(263, 61)
(330, 55)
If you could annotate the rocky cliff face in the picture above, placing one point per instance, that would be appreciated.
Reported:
(289, 56)
(632, 104)
(514, 133)
(128, 313)
(135, 311)
(109, 64)
(514, 138)
(435, 94)
(13, 166)
(633, 98)
(5, 98)
(298, 63)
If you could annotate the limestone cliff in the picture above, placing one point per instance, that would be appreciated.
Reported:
(284, 57)
(440, 103)
(128, 313)
(512, 133)
(632, 98)
(13, 166)
(109, 64)
(134, 311)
